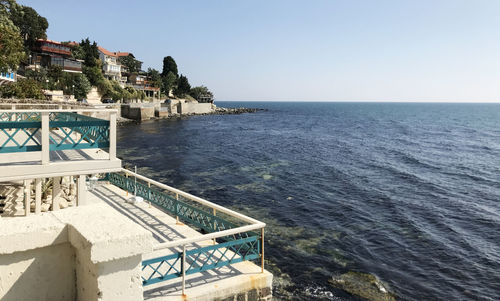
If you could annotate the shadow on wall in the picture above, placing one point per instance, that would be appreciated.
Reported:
(46, 273)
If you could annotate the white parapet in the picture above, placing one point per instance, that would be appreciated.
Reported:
(85, 253)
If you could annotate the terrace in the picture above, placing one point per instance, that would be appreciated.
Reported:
(177, 245)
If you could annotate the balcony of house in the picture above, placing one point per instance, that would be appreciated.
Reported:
(67, 65)
(6, 78)
(52, 47)
(111, 69)
(46, 142)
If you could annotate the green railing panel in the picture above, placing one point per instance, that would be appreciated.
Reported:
(186, 213)
(22, 134)
(92, 132)
(200, 259)
(19, 116)
(164, 267)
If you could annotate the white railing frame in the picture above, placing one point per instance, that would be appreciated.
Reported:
(254, 224)
(45, 129)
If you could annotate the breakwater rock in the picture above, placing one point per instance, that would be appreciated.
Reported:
(222, 111)
(363, 285)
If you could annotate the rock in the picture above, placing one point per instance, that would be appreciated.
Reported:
(363, 285)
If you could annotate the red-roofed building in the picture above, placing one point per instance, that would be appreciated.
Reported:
(110, 66)
(48, 53)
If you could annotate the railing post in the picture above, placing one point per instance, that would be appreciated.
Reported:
(112, 136)
(183, 268)
(38, 196)
(176, 209)
(56, 192)
(149, 194)
(81, 197)
(126, 184)
(27, 197)
(45, 138)
(262, 249)
(215, 223)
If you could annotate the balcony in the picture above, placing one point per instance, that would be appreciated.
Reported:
(6, 78)
(62, 141)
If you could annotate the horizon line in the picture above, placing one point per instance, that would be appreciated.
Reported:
(367, 101)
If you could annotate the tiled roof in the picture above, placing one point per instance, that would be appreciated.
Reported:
(123, 54)
(49, 41)
(106, 52)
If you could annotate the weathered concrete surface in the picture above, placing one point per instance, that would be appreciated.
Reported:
(36, 260)
(195, 108)
(83, 253)
(226, 282)
(39, 274)
(138, 111)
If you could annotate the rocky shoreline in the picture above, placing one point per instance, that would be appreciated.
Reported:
(217, 111)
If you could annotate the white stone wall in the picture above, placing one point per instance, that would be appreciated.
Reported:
(85, 253)
(195, 108)
(40, 274)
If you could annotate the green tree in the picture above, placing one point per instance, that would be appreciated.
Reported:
(169, 82)
(169, 65)
(23, 88)
(55, 73)
(11, 49)
(77, 52)
(82, 86)
(183, 86)
(201, 94)
(94, 73)
(31, 25)
(133, 65)
(155, 77)
(90, 52)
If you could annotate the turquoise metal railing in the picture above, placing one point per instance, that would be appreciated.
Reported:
(188, 213)
(200, 259)
(93, 132)
(229, 249)
(21, 131)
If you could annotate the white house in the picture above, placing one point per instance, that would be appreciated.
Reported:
(110, 65)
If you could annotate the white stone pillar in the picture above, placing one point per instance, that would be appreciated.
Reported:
(45, 138)
(56, 192)
(81, 197)
(38, 196)
(112, 136)
(27, 197)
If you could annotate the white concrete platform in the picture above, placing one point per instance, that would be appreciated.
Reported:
(214, 284)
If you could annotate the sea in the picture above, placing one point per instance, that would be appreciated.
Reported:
(406, 192)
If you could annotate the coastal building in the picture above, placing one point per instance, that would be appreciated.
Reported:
(142, 83)
(81, 227)
(51, 53)
(110, 66)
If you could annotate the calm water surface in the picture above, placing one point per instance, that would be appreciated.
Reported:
(407, 192)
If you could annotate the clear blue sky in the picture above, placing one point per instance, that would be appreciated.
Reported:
(399, 50)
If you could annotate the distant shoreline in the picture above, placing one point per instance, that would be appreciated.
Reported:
(217, 111)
